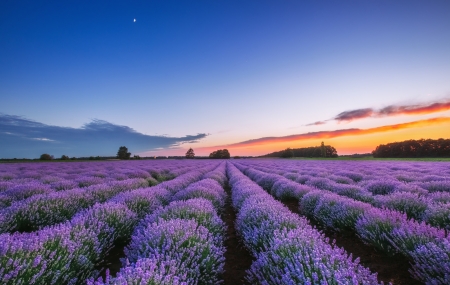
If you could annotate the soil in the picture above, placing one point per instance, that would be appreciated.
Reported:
(112, 261)
(237, 258)
(390, 268)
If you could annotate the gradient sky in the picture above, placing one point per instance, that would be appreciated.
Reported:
(209, 74)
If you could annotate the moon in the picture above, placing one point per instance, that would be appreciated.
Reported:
(134, 20)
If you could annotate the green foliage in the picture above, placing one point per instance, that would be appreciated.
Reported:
(323, 151)
(221, 153)
(46, 156)
(287, 153)
(414, 148)
(123, 153)
(190, 153)
(64, 157)
(313, 151)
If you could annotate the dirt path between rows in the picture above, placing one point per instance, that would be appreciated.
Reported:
(389, 268)
(112, 261)
(237, 258)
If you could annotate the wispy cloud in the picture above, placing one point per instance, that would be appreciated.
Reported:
(392, 110)
(418, 109)
(22, 137)
(351, 115)
(318, 123)
(337, 133)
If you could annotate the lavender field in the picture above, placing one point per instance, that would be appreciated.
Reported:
(267, 221)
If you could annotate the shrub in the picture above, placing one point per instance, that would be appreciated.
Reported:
(198, 209)
(301, 256)
(382, 187)
(145, 271)
(45, 156)
(375, 227)
(185, 242)
(257, 221)
(208, 189)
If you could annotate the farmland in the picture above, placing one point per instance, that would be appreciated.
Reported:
(266, 221)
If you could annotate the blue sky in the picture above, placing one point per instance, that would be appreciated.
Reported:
(236, 70)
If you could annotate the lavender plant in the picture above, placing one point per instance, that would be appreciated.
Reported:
(208, 189)
(189, 245)
(145, 271)
(301, 256)
(198, 209)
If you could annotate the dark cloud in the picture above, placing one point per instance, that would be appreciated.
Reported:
(351, 115)
(318, 123)
(419, 109)
(24, 138)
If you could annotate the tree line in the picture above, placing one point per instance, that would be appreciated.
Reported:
(414, 148)
(313, 151)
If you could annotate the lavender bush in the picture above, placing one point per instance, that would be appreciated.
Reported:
(198, 209)
(145, 272)
(302, 257)
(208, 189)
(185, 242)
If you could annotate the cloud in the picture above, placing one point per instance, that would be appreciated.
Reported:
(392, 110)
(318, 123)
(348, 116)
(337, 133)
(22, 137)
(419, 109)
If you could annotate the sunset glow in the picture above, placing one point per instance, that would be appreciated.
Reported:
(346, 141)
(82, 79)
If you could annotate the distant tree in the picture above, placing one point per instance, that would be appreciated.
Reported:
(136, 157)
(414, 148)
(221, 153)
(190, 153)
(46, 156)
(64, 157)
(287, 153)
(225, 154)
(313, 151)
(323, 151)
(123, 153)
(91, 158)
(74, 158)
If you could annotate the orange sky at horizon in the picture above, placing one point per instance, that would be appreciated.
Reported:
(345, 141)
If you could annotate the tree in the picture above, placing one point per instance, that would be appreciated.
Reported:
(123, 153)
(287, 153)
(323, 151)
(64, 157)
(313, 151)
(46, 156)
(190, 153)
(221, 153)
(414, 148)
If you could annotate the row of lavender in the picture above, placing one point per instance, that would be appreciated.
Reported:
(427, 247)
(182, 242)
(68, 252)
(41, 210)
(425, 201)
(21, 181)
(286, 248)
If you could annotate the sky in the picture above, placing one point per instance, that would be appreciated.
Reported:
(83, 78)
